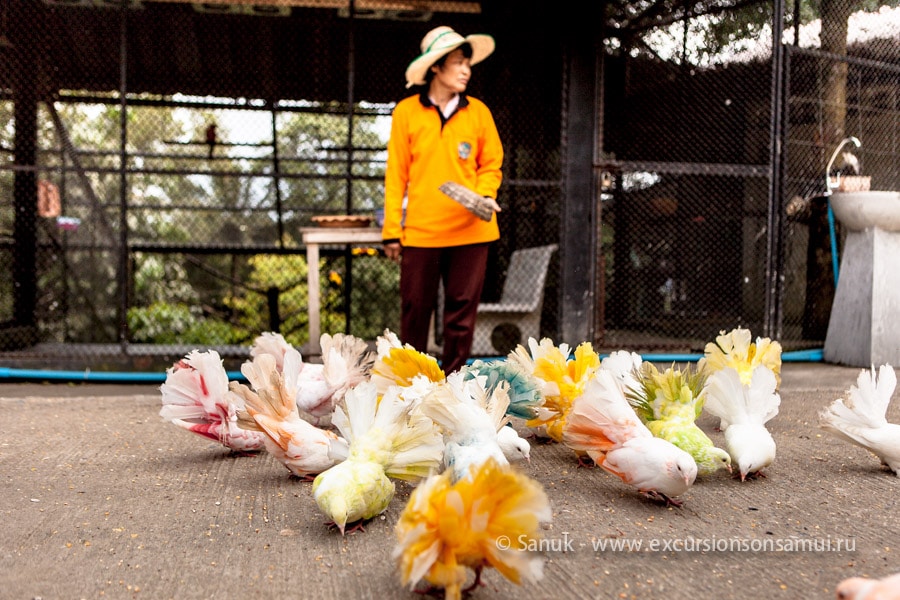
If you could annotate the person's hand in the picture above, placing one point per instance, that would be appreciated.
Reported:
(492, 204)
(393, 251)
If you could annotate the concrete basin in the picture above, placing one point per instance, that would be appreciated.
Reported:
(863, 329)
(858, 211)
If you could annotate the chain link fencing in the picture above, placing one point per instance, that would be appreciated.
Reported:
(160, 161)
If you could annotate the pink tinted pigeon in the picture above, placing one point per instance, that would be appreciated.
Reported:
(603, 424)
(271, 409)
(318, 387)
(195, 397)
(863, 588)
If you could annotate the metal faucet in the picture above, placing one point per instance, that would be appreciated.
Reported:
(833, 184)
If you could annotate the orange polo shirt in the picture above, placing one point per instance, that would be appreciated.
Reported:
(422, 155)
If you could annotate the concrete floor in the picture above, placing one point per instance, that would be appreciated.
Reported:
(101, 498)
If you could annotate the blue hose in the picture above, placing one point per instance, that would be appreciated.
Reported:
(814, 355)
(833, 237)
(93, 376)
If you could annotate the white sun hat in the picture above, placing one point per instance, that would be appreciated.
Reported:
(443, 40)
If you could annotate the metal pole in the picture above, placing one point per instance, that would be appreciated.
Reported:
(24, 60)
(579, 224)
(276, 175)
(348, 254)
(124, 286)
(772, 325)
(796, 22)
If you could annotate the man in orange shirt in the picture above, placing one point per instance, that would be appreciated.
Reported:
(438, 135)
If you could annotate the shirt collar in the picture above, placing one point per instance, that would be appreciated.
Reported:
(463, 100)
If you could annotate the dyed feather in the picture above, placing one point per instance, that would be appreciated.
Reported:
(271, 342)
(318, 387)
(735, 349)
(399, 364)
(195, 397)
(562, 379)
(669, 403)
(603, 425)
(387, 440)
(470, 418)
(448, 529)
(304, 449)
(524, 390)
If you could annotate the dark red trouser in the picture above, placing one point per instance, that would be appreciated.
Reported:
(462, 270)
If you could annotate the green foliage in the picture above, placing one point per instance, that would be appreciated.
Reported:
(178, 195)
(158, 280)
(287, 274)
(164, 323)
(714, 31)
(314, 145)
(724, 30)
(375, 296)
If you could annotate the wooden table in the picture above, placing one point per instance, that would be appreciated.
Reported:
(313, 237)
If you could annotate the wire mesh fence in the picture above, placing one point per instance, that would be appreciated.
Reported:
(817, 126)
(710, 224)
(685, 176)
(187, 147)
(161, 161)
